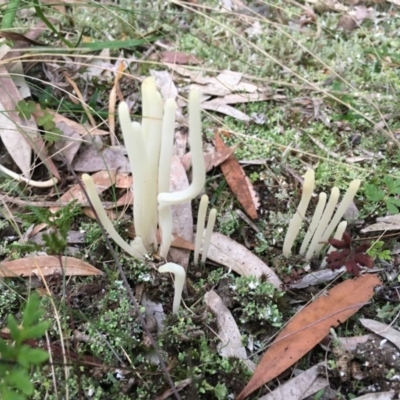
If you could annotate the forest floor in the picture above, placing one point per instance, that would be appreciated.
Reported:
(286, 87)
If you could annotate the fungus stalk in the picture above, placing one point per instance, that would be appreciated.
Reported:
(343, 206)
(324, 221)
(166, 199)
(203, 235)
(164, 171)
(180, 276)
(21, 178)
(196, 149)
(295, 222)
(149, 146)
(105, 221)
(212, 216)
(201, 220)
(316, 219)
(136, 149)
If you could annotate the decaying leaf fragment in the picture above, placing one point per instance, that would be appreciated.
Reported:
(310, 326)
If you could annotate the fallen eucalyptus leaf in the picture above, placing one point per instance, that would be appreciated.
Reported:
(46, 265)
(233, 255)
(383, 330)
(301, 386)
(307, 328)
(228, 332)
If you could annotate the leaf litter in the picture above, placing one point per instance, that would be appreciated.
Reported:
(21, 136)
(302, 386)
(226, 88)
(383, 330)
(47, 266)
(308, 327)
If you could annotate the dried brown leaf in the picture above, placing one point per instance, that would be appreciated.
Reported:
(388, 223)
(238, 181)
(15, 143)
(111, 214)
(220, 107)
(125, 200)
(180, 243)
(310, 326)
(68, 145)
(62, 122)
(47, 265)
(166, 85)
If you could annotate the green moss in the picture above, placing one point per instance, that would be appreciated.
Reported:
(258, 301)
(9, 299)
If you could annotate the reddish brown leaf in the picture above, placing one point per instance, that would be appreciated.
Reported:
(238, 181)
(125, 200)
(178, 242)
(310, 326)
(111, 214)
(232, 255)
